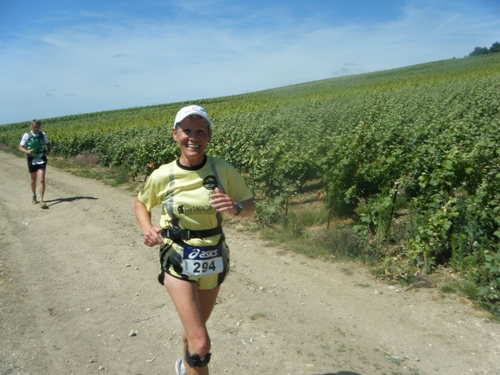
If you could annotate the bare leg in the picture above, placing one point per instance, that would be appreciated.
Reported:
(33, 182)
(41, 178)
(194, 308)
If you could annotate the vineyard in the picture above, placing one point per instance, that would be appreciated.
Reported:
(420, 143)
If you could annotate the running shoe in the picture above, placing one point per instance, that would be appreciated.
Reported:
(180, 369)
(33, 200)
(43, 205)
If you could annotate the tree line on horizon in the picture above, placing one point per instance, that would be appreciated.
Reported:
(495, 47)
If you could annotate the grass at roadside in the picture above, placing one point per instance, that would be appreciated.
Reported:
(306, 231)
(86, 166)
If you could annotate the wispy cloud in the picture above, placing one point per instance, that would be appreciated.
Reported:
(118, 60)
(448, 21)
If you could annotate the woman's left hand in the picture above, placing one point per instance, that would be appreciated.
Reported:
(222, 202)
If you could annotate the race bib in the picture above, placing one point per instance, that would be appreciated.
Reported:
(37, 161)
(202, 261)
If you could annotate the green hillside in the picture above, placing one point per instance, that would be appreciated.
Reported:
(424, 140)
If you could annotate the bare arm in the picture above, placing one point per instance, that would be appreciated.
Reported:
(24, 150)
(47, 148)
(151, 233)
(248, 208)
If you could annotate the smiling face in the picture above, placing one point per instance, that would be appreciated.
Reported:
(192, 134)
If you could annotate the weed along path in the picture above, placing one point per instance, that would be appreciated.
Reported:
(79, 295)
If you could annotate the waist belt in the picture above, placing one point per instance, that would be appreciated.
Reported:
(176, 234)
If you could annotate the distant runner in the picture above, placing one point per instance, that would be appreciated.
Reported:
(36, 146)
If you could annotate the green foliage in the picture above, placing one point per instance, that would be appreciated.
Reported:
(427, 133)
(495, 47)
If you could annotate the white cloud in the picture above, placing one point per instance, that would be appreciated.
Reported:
(80, 68)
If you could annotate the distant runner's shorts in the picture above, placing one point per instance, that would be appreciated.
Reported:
(171, 259)
(33, 167)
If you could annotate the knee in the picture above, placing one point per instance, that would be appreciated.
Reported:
(199, 346)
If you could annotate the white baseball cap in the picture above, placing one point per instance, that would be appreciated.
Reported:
(192, 110)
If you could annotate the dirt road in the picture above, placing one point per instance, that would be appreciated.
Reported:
(79, 295)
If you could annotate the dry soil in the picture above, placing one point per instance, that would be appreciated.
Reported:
(79, 295)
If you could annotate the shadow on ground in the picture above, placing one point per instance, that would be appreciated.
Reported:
(53, 202)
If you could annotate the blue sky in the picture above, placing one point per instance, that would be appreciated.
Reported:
(60, 57)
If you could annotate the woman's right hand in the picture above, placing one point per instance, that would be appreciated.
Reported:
(152, 237)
